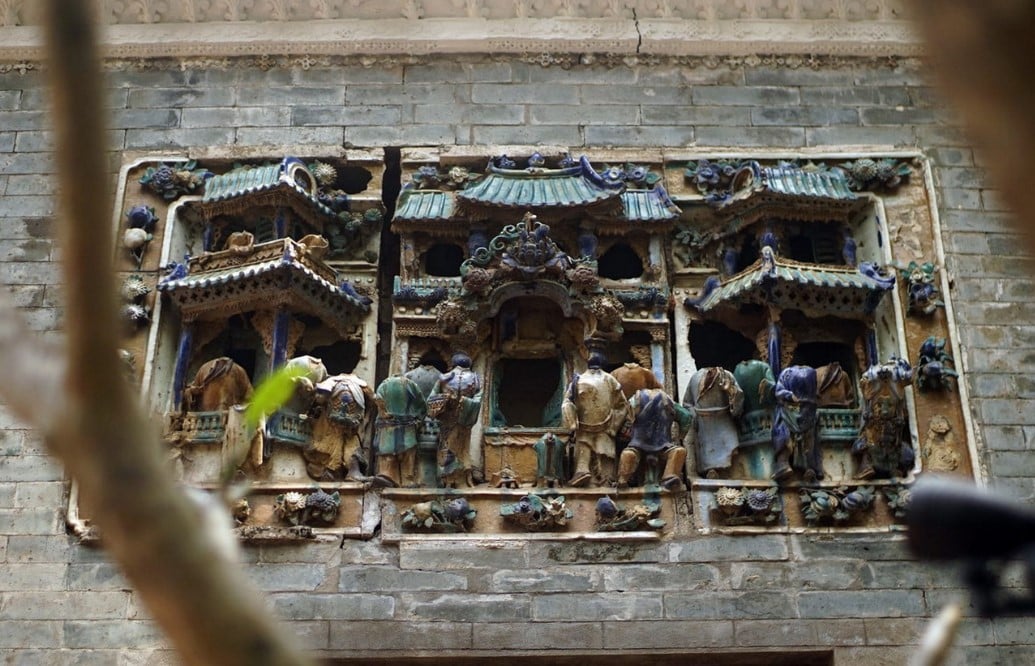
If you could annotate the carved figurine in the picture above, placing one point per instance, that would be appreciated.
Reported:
(611, 517)
(594, 410)
(401, 409)
(549, 456)
(836, 505)
(883, 447)
(835, 386)
(537, 513)
(796, 425)
(455, 403)
(654, 413)
(218, 385)
(535, 253)
(455, 515)
(342, 406)
(940, 446)
(633, 377)
(715, 400)
(310, 371)
(140, 223)
(934, 369)
(316, 508)
(755, 378)
(923, 295)
(222, 385)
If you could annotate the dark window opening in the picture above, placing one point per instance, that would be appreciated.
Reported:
(822, 353)
(748, 253)
(340, 357)
(434, 359)
(620, 262)
(716, 345)
(353, 179)
(817, 244)
(443, 260)
(634, 347)
(239, 342)
(526, 390)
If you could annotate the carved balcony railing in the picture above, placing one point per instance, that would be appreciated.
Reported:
(837, 425)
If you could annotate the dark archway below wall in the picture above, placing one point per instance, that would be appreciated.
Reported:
(817, 657)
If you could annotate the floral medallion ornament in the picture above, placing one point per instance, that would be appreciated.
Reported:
(870, 174)
(134, 293)
(611, 517)
(170, 181)
(634, 175)
(316, 508)
(748, 506)
(536, 513)
(835, 506)
(328, 194)
(455, 515)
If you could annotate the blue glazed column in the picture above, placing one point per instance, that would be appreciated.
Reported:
(773, 349)
(280, 224)
(871, 348)
(658, 363)
(281, 327)
(183, 351)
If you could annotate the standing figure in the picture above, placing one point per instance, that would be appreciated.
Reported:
(796, 426)
(594, 410)
(550, 463)
(755, 378)
(654, 413)
(342, 408)
(310, 371)
(884, 447)
(400, 411)
(715, 400)
(455, 402)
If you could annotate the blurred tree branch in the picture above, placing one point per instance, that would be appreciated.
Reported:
(90, 417)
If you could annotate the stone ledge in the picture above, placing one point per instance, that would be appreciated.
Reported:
(405, 37)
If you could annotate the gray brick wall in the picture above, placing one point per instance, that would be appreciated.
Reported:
(861, 595)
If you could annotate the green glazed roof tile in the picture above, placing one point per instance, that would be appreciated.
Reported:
(425, 205)
(541, 188)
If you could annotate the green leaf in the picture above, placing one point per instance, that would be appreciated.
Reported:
(271, 394)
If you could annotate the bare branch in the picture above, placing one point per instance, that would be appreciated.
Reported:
(206, 605)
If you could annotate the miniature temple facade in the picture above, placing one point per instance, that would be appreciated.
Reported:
(529, 268)
(628, 322)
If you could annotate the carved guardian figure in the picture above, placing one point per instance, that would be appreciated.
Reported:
(884, 448)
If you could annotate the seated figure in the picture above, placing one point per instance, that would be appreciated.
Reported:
(654, 413)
